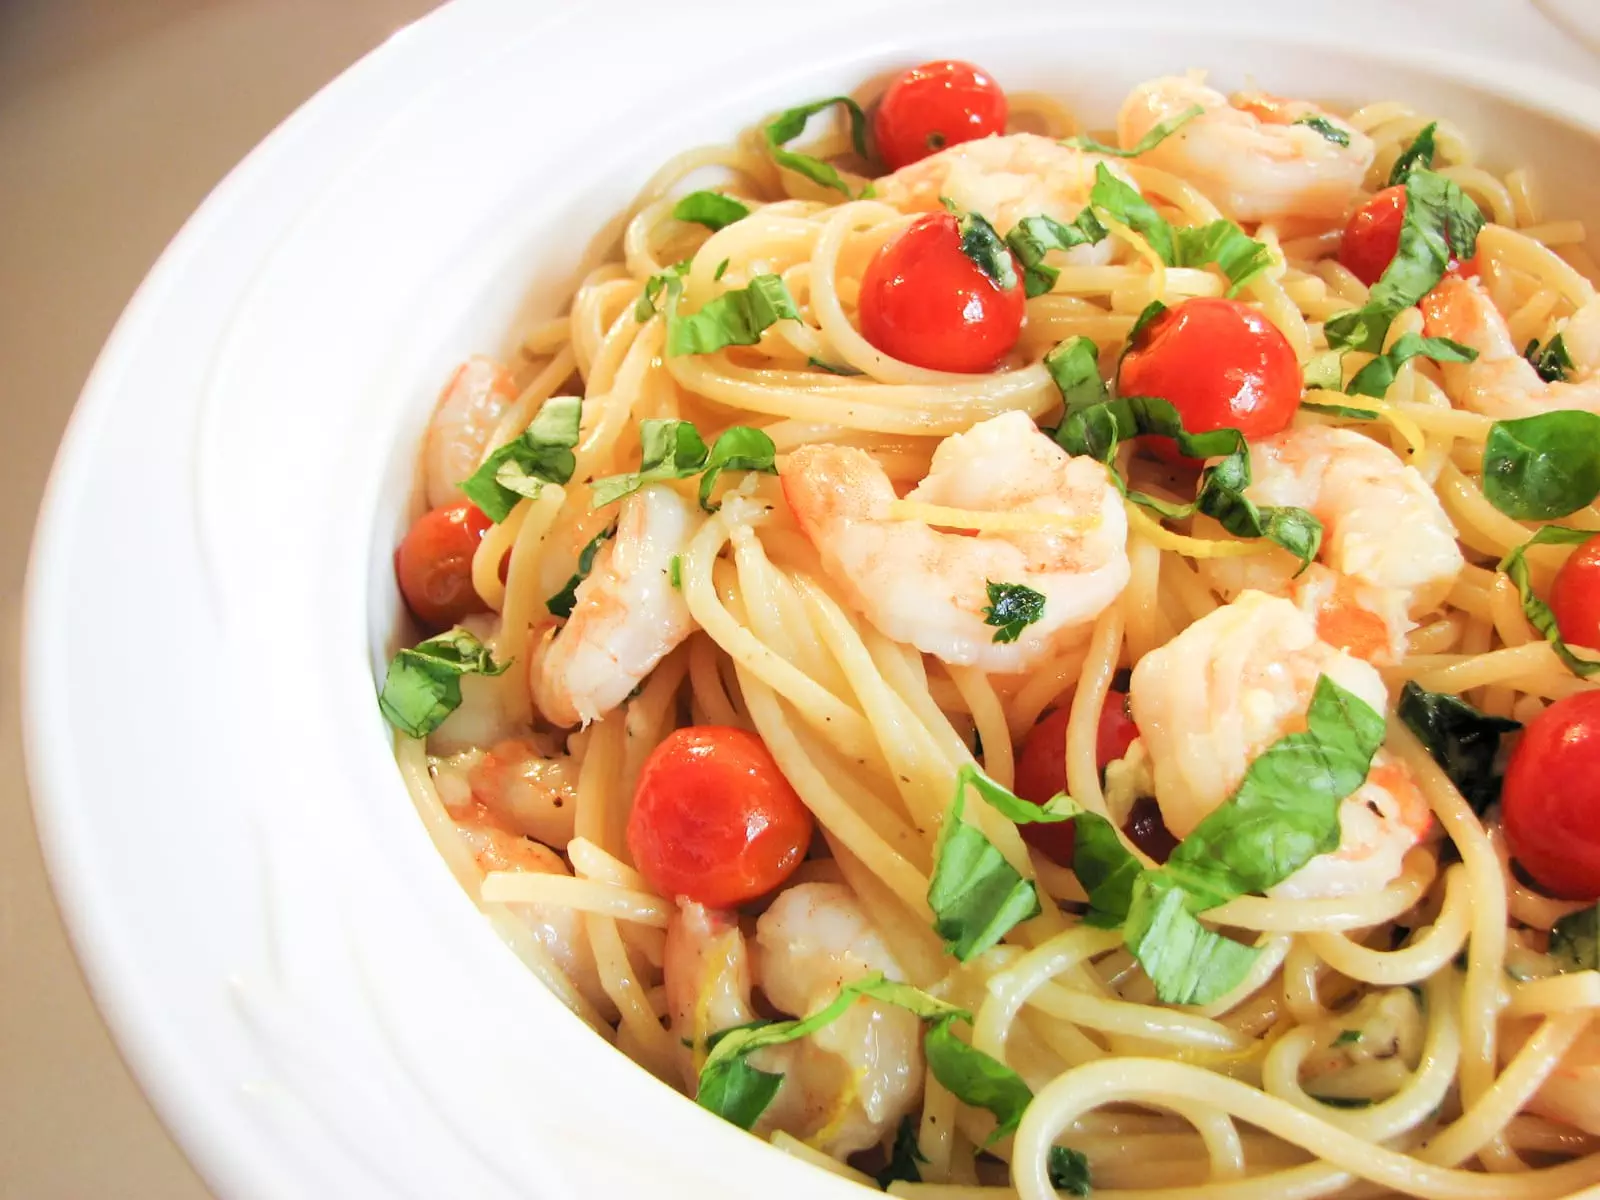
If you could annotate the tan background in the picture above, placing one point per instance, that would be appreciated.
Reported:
(116, 118)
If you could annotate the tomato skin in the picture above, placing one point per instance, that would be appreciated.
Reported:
(1551, 801)
(1042, 767)
(1221, 363)
(1575, 597)
(936, 105)
(1372, 236)
(433, 564)
(925, 302)
(714, 819)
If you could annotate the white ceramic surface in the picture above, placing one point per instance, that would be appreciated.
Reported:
(313, 1004)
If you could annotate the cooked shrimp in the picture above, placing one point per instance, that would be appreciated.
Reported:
(1500, 383)
(1005, 179)
(1571, 1093)
(929, 588)
(849, 1083)
(524, 784)
(557, 927)
(468, 409)
(1213, 698)
(1388, 553)
(1252, 153)
(626, 616)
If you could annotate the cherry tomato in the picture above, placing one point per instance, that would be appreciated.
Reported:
(1551, 801)
(926, 303)
(714, 819)
(1042, 767)
(1575, 598)
(434, 564)
(936, 105)
(1221, 363)
(1372, 235)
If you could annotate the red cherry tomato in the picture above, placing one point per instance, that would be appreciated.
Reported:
(714, 819)
(1575, 598)
(1372, 235)
(1551, 801)
(434, 564)
(936, 105)
(1042, 767)
(926, 303)
(1221, 363)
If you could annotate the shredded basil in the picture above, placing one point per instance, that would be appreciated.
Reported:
(1543, 467)
(1342, 1101)
(541, 454)
(1068, 1170)
(1324, 371)
(675, 572)
(1074, 365)
(1535, 609)
(1147, 314)
(1105, 867)
(791, 124)
(976, 1079)
(833, 368)
(983, 246)
(1552, 360)
(1463, 741)
(1012, 608)
(1347, 1037)
(740, 448)
(1575, 940)
(903, 1157)
(560, 605)
(1340, 410)
(735, 318)
(668, 281)
(1187, 963)
(672, 449)
(423, 684)
(1158, 133)
(1123, 203)
(1034, 237)
(1374, 378)
(1418, 154)
(977, 897)
(1326, 128)
(722, 269)
(711, 209)
(1240, 257)
(1440, 221)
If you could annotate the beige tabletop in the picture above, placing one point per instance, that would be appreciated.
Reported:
(116, 118)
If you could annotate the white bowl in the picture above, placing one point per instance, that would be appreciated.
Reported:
(311, 1001)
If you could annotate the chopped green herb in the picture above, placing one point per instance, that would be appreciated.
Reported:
(1535, 609)
(983, 246)
(1159, 133)
(1240, 257)
(1068, 1170)
(560, 605)
(672, 449)
(904, 1156)
(1074, 365)
(1124, 204)
(541, 454)
(977, 897)
(1326, 128)
(675, 572)
(739, 448)
(423, 684)
(1552, 361)
(1419, 154)
(1012, 608)
(1186, 962)
(1343, 1101)
(735, 318)
(711, 209)
(1543, 467)
(833, 368)
(668, 281)
(791, 124)
(1034, 237)
(1463, 741)
(1347, 1037)
(1374, 378)
(1324, 371)
(1575, 940)
(975, 1078)
(722, 269)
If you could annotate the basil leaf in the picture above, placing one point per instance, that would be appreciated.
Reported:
(1158, 133)
(1418, 153)
(1343, 1101)
(1127, 206)
(989, 254)
(738, 1092)
(423, 684)
(1553, 362)
(669, 281)
(1034, 237)
(977, 897)
(1535, 609)
(1440, 220)
(1326, 128)
(711, 209)
(976, 1079)
(560, 605)
(1463, 741)
(904, 1156)
(1374, 378)
(1097, 431)
(1146, 315)
(1324, 371)
(1011, 806)
(1340, 410)
(675, 572)
(791, 124)
(1539, 468)
(668, 449)
(722, 269)
(739, 448)
(1286, 810)
(1239, 255)
(1187, 963)
(1105, 867)
(1347, 1037)
(736, 318)
(1575, 940)
(1074, 365)
(833, 368)
(1069, 1171)
(541, 454)
(1012, 608)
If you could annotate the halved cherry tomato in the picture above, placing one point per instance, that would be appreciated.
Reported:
(1042, 767)
(936, 105)
(1575, 598)
(714, 819)
(434, 564)
(1223, 365)
(1551, 800)
(1372, 235)
(926, 303)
